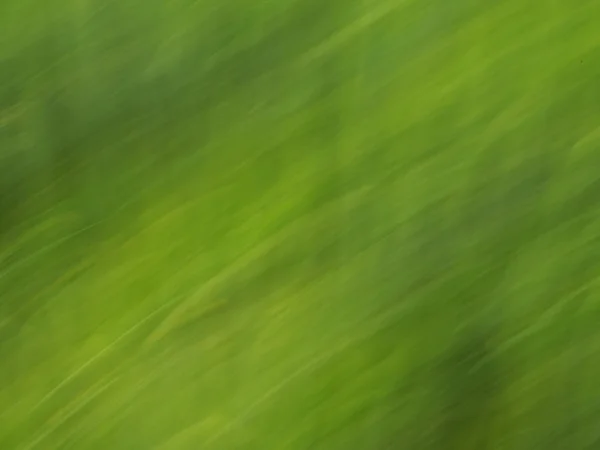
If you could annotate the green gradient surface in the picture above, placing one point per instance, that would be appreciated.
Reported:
(299, 224)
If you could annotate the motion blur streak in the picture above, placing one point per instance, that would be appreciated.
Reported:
(299, 225)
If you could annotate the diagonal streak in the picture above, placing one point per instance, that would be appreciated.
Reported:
(378, 324)
(185, 305)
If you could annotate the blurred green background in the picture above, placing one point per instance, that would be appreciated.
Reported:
(299, 224)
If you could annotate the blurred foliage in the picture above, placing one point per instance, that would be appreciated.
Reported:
(299, 224)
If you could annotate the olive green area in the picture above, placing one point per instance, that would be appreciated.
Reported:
(299, 224)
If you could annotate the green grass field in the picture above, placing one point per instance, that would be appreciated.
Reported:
(299, 224)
